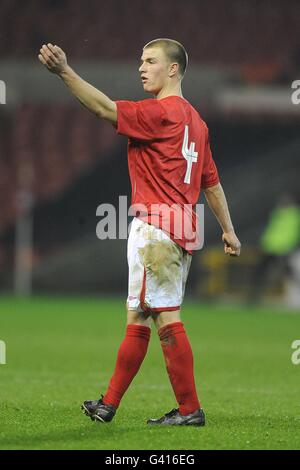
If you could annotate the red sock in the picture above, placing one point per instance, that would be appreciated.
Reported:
(179, 361)
(130, 357)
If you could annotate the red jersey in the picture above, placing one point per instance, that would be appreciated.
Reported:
(169, 160)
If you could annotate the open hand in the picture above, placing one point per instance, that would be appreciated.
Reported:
(53, 58)
(232, 245)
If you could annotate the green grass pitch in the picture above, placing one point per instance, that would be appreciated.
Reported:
(61, 351)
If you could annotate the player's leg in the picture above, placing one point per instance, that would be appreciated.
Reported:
(163, 319)
(180, 367)
(130, 356)
(138, 318)
(134, 346)
(178, 353)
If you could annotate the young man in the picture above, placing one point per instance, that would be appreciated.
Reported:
(169, 162)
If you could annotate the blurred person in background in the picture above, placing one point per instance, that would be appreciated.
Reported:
(278, 245)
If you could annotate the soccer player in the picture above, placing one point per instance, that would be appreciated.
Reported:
(169, 162)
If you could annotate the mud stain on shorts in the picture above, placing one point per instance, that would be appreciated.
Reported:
(162, 259)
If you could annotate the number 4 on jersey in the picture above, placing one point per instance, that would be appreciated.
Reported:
(189, 154)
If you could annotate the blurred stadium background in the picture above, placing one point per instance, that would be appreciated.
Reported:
(58, 162)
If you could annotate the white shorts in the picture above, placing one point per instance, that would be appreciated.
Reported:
(158, 269)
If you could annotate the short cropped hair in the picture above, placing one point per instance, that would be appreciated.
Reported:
(174, 51)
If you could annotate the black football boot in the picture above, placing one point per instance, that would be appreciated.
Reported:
(197, 418)
(98, 411)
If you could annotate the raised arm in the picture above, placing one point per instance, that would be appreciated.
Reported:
(54, 59)
(217, 202)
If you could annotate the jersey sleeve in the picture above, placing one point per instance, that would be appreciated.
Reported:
(210, 176)
(141, 120)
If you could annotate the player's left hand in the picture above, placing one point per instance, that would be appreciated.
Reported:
(53, 57)
(232, 245)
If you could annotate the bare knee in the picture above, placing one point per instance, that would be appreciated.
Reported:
(165, 318)
(138, 318)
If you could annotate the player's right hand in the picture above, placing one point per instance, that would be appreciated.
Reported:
(53, 58)
(232, 245)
